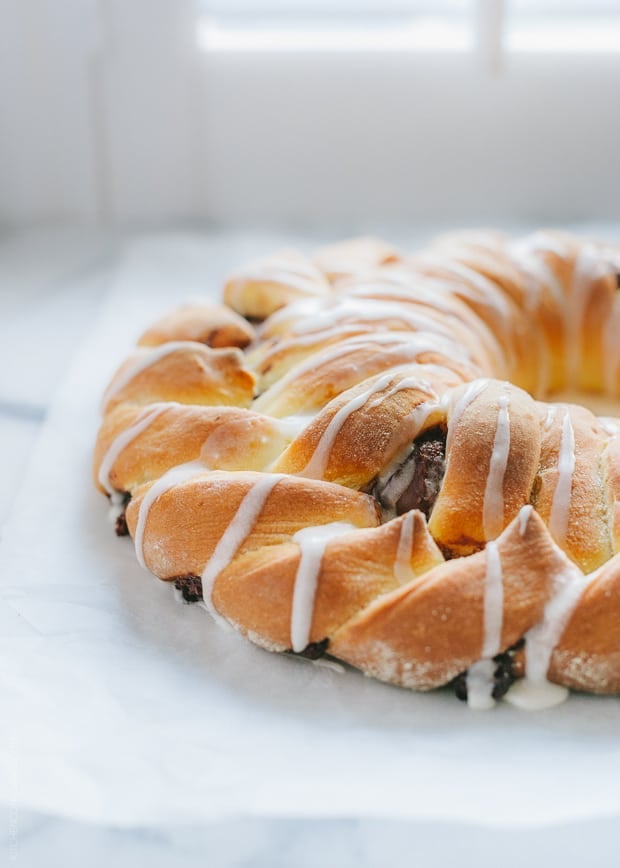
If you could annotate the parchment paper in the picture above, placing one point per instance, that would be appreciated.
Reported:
(121, 705)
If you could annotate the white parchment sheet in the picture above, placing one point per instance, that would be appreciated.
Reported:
(122, 706)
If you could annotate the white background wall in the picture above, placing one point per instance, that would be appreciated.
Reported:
(109, 112)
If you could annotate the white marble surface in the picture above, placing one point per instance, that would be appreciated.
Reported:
(52, 282)
(53, 842)
(52, 285)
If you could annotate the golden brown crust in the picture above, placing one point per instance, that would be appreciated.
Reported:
(267, 284)
(355, 256)
(256, 593)
(223, 438)
(352, 448)
(309, 387)
(186, 522)
(427, 632)
(189, 374)
(458, 519)
(211, 324)
(585, 532)
(248, 470)
(587, 656)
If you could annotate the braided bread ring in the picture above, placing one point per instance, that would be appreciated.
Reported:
(373, 470)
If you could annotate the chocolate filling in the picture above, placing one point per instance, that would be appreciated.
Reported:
(120, 525)
(416, 482)
(315, 650)
(503, 676)
(190, 587)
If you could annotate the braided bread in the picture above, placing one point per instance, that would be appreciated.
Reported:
(356, 456)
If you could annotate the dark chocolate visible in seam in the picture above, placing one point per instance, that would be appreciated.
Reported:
(190, 587)
(416, 483)
(503, 675)
(120, 524)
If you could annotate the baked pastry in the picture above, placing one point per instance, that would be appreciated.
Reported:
(358, 456)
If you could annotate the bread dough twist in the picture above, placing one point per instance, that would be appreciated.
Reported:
(374, 470)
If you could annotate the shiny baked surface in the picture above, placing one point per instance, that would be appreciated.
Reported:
(374, 471)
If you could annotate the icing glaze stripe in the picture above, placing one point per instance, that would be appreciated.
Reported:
(177, 475)
(123, 440)
(414, 343)
(312, 541)
(403, 571)
(144, 358)
(480, 676)
(560, 505)
(493, 602)
(235, 534)
(493, 505)
(534, 691)
(473, 390)
(367, 310)
(315, 468)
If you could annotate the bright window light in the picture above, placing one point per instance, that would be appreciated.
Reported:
(571, 36)
(419, 35)
(488, 28)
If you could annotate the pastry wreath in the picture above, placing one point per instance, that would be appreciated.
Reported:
(351, 457)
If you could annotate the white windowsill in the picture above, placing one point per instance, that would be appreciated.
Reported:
(423, 36)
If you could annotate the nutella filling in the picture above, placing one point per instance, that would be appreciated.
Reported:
(190, 588)
(416, 482)
(503, 676)
(120, 522)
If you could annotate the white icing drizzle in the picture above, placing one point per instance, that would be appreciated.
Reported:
(489, 291)
(609, 425)
(550, 416)
(493, 504)
(527, 253)
(493, 602)
(346, 266)
(542, 240)
(312, 541)
(437, 294)
(412, 422)
(143, 359)
(234, 536)
(416, 419)
(175, 476)
(315, 341)
(292, 426)
(525, 513)
(403, 570)
(473, 390)
(480, 681)
(303, 307)
(480, 675)
(359, 311)
(315, 468)
(411, 342)
(142, 422)
(405, 383)
(560, 505)
(534, 691)
(401, 290)
(296, 274)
